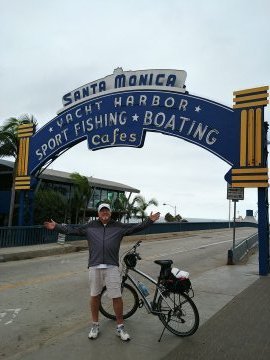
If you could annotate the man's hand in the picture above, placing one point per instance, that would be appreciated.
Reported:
(154, 217)
(50, 225)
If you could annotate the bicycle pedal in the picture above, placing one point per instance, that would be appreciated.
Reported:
(141, 303)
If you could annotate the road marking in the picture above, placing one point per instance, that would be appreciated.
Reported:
(11, 313)
(37, 280)
(178, 251)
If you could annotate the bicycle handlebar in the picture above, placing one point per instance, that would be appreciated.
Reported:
(133, 250)
(138, 243)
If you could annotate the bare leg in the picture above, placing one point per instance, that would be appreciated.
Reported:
(118, 309)
(94, 306)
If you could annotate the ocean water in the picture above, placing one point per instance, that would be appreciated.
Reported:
(205, 220)
(192, 220)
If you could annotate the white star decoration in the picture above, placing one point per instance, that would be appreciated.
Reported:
(50, 129)
(197, 108)
(135, 117)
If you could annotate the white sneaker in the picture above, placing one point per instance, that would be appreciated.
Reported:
(93, 334)
(121, 332)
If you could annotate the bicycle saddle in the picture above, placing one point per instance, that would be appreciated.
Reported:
(164, 262)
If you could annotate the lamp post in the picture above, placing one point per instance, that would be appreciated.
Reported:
(174, 207)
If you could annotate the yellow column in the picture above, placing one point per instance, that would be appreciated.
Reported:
(22, 181)
(251, 172)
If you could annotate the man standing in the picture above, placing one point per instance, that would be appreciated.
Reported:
(104, 237)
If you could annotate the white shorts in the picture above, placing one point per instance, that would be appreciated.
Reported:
(109, 277)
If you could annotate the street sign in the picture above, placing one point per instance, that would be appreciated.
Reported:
(235, 193)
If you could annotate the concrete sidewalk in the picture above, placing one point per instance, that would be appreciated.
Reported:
(238, 331)
(33, 251)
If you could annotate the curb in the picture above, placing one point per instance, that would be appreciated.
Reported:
(31, 254)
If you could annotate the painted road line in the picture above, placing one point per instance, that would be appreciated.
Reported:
(34, 281)
(11, 314)
(178, 251)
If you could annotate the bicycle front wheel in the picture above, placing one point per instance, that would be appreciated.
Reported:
(178, 313)
(130, 302)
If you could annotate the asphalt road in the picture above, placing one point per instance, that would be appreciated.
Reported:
(47, 298)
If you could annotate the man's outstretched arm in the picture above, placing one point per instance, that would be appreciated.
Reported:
(50, 225)
(64, 228)
(133, 228)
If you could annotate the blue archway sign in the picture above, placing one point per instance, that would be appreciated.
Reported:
(123, 119)
(121, 108)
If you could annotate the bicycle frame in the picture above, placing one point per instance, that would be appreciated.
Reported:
(158, 291)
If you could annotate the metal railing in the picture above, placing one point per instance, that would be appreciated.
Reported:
(34, 235)
(237, 253)
(25, 235)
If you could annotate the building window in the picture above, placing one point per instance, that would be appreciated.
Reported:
(112, 196)
(104, 195)
(95, 198)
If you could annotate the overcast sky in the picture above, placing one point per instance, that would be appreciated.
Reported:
(51, 47)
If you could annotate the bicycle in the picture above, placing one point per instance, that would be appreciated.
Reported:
(171, 302)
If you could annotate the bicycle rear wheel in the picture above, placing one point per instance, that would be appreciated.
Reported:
(130, 302)
(178, 313)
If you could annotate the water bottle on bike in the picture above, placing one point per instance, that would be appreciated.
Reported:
(143, 288)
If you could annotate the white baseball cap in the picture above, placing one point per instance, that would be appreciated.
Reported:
(104, 205)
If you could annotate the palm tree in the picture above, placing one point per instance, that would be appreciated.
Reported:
(82, 193)
(9, 144)
(118, 205)
(142, 205)
(50, 204)
(130, 209)
(122, 205)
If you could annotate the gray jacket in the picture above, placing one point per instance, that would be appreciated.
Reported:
(103, 240)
